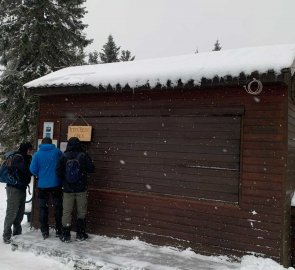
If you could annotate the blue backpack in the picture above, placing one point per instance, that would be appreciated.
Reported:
(73, 173)
(8, 171)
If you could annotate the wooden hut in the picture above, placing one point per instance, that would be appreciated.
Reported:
(191, 151)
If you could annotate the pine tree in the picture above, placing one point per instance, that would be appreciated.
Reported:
(93, 58)
(217, 46)
(126, 56)
(110, 51)
(36, 38)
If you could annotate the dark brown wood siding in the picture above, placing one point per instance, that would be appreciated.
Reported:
(194, 156)
(290, 185)
(128, 194)
(291, 146)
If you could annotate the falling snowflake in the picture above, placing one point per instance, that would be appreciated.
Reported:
(257, 99)
(148, 186)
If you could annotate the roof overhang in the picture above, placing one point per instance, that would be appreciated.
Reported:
(266, 78)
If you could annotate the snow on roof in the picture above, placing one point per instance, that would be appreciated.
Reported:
(186, 68)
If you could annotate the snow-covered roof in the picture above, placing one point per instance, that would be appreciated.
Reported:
(185, 68)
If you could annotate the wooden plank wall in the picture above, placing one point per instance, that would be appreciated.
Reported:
(292, 236)
(188, 156)
(291, 179)
(252, 224)
(291, 145)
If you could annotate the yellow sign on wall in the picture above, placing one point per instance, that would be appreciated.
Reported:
(81, 132)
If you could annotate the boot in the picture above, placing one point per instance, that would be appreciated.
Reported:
(58, 231)
(17, 229)
(45, 231)
(81, 235)
(6, 240)
(65, 234)
(45, 235)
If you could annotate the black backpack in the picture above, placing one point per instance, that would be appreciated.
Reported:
(8, 171)
(73, 172)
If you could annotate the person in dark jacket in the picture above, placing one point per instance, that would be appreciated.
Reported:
(74, 191)
(49, 184)
(16, 194)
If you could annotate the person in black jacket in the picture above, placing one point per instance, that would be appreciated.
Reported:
(16, 194)
(73, 168)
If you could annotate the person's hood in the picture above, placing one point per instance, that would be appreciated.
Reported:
(24, 147)
(46, 147)
(74, 145)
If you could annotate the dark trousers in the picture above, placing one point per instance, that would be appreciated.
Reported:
(14, 212)
(56, 196)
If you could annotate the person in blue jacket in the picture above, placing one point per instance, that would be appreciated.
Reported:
(43, 166)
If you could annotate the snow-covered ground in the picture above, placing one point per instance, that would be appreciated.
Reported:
(112, 253)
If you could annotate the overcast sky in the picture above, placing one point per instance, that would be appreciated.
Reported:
(159, 28)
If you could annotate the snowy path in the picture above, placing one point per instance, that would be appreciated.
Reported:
(110, 253)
